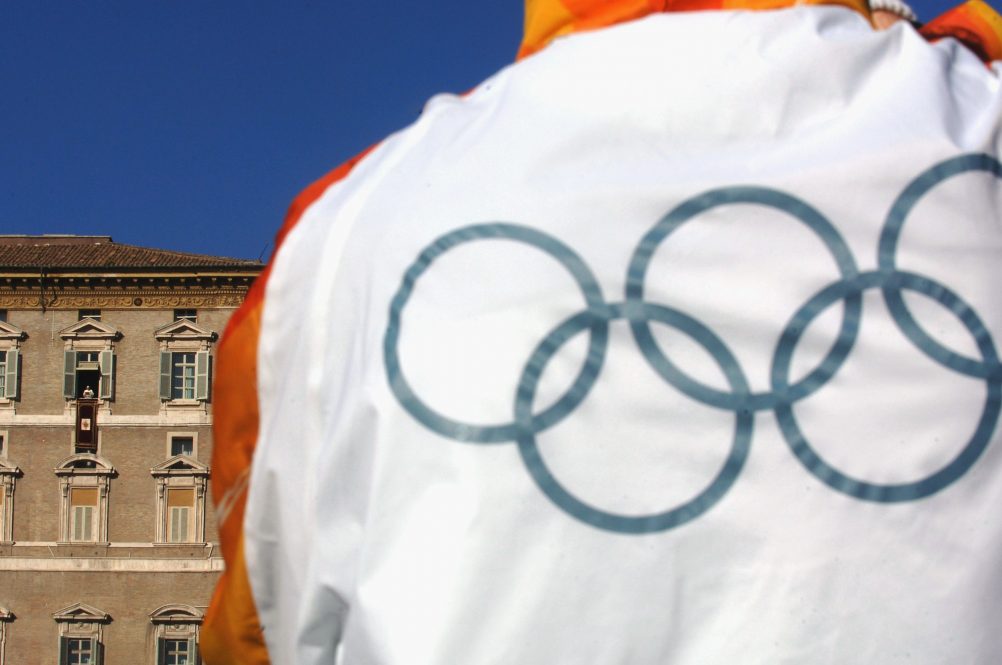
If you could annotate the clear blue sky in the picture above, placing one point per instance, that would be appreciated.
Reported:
(191, 126)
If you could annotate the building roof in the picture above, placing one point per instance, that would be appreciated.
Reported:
(62, 252)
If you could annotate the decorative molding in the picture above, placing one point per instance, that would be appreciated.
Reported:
(90, 329)
(232, 298)
(176, 613)
(184, 330)
(169, 419)
(110, 565)
(82, 613)
(9, 331)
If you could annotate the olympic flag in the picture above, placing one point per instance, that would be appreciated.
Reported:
(675, 342)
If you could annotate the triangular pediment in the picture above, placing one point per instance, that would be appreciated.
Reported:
(180, 465)
(184, 329)
(81, 612)
(90, 329)
(10, 331)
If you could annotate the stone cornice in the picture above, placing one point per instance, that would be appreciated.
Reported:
(139, 299)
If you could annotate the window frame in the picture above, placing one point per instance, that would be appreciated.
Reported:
(183, 337)
(183, 473)
(81, 622)
(90, 336)
(171, 436)
(11, 338)
(6, 616)
(84, 471)
(8, 481)
(176, 622)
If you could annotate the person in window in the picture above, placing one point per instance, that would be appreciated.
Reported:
(677, 341)
(88, 393)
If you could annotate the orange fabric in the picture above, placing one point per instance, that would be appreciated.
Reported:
(231, 634)
(975, 24)
(545, 20)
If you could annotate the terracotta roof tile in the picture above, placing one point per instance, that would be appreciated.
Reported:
(100, 252)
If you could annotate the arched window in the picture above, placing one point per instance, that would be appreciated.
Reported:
(84, 480)
(8, 476)
(176, 631)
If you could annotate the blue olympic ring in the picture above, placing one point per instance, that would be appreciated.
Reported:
(780, 399)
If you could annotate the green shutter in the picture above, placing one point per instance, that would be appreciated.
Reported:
(10, 385)
(165, 360)
(69, 374)
(202, 375)
(64, 650)
(107, 365)
(161, 651)
(193, 652)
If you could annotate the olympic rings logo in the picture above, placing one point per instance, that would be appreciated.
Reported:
(597, 314)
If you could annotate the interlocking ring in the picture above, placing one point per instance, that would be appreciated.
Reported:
(597, 315)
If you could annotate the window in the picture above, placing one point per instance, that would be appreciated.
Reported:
(89, 360)
(186, 315)
(84, 481)
(176, 652)
(83, 505)
(5, 617)
(8, 477)
(89, 314)
(176, 628)
(182, 376)
(80, 634)
(3, 445)
(181, 509)
(181, 487)
(88, 374)
(10, 360)
(3, 315)
(79, 650)
(185, 364)
(182, 445)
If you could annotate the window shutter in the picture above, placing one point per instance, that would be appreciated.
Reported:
(165, 359)
(10, 386)
(193, 652)
(107, 365)
(97, 649)
(69, 374)
(202, 375)
(161, 651)
(64, 651)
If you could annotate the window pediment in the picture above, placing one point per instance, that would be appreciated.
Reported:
(5, 614)
(90, 329)
(180, 465)
(8, 469)
(84, 464)
(9, 331)
(184, 330)
(175, 614)
(82, 613)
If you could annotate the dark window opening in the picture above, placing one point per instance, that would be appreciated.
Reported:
(186, 315)
(182, 445)
(3, 315)
(89, 314)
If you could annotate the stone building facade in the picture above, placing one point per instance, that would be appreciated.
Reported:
(108, 545)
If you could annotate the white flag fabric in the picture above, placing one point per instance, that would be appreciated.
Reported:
(677, 342)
